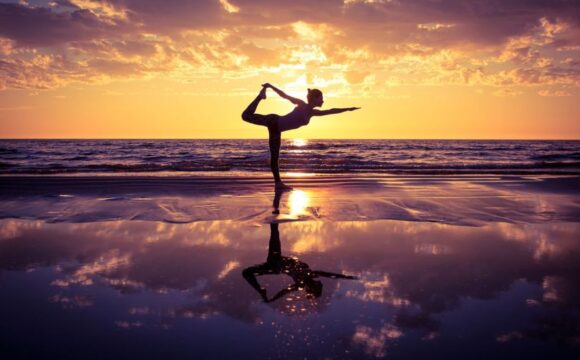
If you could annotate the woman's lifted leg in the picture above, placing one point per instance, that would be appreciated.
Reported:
(250, 115)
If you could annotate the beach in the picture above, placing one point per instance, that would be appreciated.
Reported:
(289, 180)
(151, 265)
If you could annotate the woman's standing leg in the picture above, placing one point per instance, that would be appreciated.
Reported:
(275, 139)
(274, 246)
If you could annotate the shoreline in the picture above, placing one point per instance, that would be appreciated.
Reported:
(460, 200)
(249, 173)
(15, 184)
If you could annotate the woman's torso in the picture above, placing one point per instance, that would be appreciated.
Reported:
(298, 117)
(296, 269)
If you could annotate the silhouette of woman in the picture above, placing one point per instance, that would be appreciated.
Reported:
(304, 277)
(276, 124)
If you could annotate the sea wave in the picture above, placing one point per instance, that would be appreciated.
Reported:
(558, 157)
(317, 156)
(326, 167)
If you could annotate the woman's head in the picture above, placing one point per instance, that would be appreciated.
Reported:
(315, 97)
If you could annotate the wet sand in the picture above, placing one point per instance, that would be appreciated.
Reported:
(462, 200)
(149, 267)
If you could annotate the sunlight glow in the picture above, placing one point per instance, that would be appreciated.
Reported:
(299, 174)
(298, 202)
(229, 7)
(299, 142)
(121, 67)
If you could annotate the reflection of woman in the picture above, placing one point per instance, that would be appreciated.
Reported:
(304, 278)
(276, 124)
(276, 202)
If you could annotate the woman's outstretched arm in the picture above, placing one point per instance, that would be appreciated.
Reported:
(283, 94)
(332, 111)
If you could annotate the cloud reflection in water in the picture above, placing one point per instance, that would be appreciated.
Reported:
(414, 276)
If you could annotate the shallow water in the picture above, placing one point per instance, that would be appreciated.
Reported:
(149, 290)
(353, 267)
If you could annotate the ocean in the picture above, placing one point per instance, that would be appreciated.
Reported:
(305, 156)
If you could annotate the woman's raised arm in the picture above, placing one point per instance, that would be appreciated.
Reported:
(283, 94)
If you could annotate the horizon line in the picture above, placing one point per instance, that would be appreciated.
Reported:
(297, 138)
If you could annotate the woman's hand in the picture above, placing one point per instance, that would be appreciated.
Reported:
(267, 85)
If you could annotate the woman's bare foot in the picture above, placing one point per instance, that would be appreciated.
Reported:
(282, 187)
(262, 94)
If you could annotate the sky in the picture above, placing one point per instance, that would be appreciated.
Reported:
(483, 69)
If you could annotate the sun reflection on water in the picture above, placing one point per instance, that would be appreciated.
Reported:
(299, 142)
(299, 174)
(298, 202)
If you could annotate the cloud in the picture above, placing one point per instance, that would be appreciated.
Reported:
(376, 342)
(557, 93)
(43, 26)
(505, 92)
(349, 46)
(172, 15)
